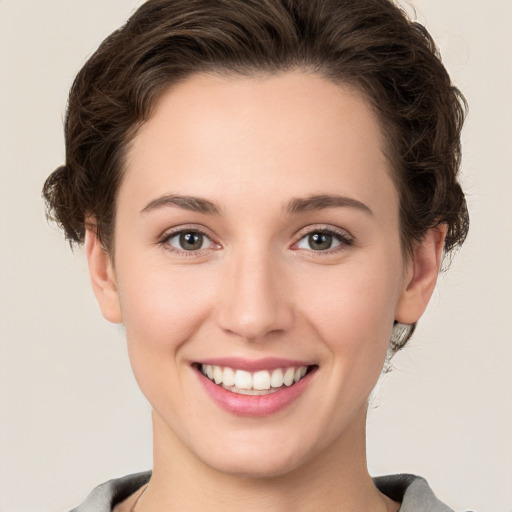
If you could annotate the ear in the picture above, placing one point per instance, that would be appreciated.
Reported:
(421, 276)
(103, 280)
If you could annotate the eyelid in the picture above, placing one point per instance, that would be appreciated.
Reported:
(345, 238)
(340, 234)
(164, 238)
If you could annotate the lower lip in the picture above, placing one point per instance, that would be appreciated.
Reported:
(254, 405)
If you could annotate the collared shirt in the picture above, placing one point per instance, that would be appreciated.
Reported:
(413, 492)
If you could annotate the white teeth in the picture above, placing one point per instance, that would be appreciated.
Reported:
(258, 383)
(243, 379)
(261, 380)
(289, 374)
(228, 378)
(217, 374)
(234, 389)
(276, 381)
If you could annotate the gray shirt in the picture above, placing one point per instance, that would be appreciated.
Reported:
(412, 491)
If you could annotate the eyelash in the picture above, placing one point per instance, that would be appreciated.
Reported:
(342, 237)
(164, 240)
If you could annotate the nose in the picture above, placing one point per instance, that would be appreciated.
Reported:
(256, 301)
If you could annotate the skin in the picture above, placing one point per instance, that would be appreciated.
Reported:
(257, 289)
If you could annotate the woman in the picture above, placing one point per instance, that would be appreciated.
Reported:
(265, 190)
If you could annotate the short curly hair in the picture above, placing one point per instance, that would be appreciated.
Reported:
(370, 44)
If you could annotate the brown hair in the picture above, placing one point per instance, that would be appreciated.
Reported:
(369, 44)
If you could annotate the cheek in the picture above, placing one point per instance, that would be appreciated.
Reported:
(163, 308)
(353, 310)
(162, 305)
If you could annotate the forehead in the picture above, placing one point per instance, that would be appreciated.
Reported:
(291, 134)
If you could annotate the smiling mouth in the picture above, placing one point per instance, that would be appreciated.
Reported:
(262, 382)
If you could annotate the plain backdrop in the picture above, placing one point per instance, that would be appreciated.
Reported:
(71, 415)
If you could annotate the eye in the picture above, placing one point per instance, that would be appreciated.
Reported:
(189, 241)
(322, 240)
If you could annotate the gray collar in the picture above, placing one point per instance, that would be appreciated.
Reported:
(412, 491)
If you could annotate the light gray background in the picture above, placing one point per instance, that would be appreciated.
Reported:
(71, 415)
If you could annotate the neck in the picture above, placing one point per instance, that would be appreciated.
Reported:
(333, 480)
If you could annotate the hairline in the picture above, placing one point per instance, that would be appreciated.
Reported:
(240, 72)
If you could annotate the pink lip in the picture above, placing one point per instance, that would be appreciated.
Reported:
(268, 363)
(254, 405)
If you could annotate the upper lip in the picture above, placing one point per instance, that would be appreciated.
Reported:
(253, 365)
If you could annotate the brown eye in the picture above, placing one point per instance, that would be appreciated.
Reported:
(320, 241)
(189, 241)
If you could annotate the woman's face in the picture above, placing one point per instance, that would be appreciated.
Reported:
(257, 230)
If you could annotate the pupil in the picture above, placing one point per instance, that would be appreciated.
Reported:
(191, 241)
(320, 241)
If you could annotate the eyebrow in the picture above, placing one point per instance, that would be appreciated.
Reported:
(323, 201)
(191, 203)
(295, 205)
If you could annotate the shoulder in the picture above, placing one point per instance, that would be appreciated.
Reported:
(105, 496)
(412, 491)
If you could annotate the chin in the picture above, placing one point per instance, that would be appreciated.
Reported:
(257, 459)
(257, 467)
